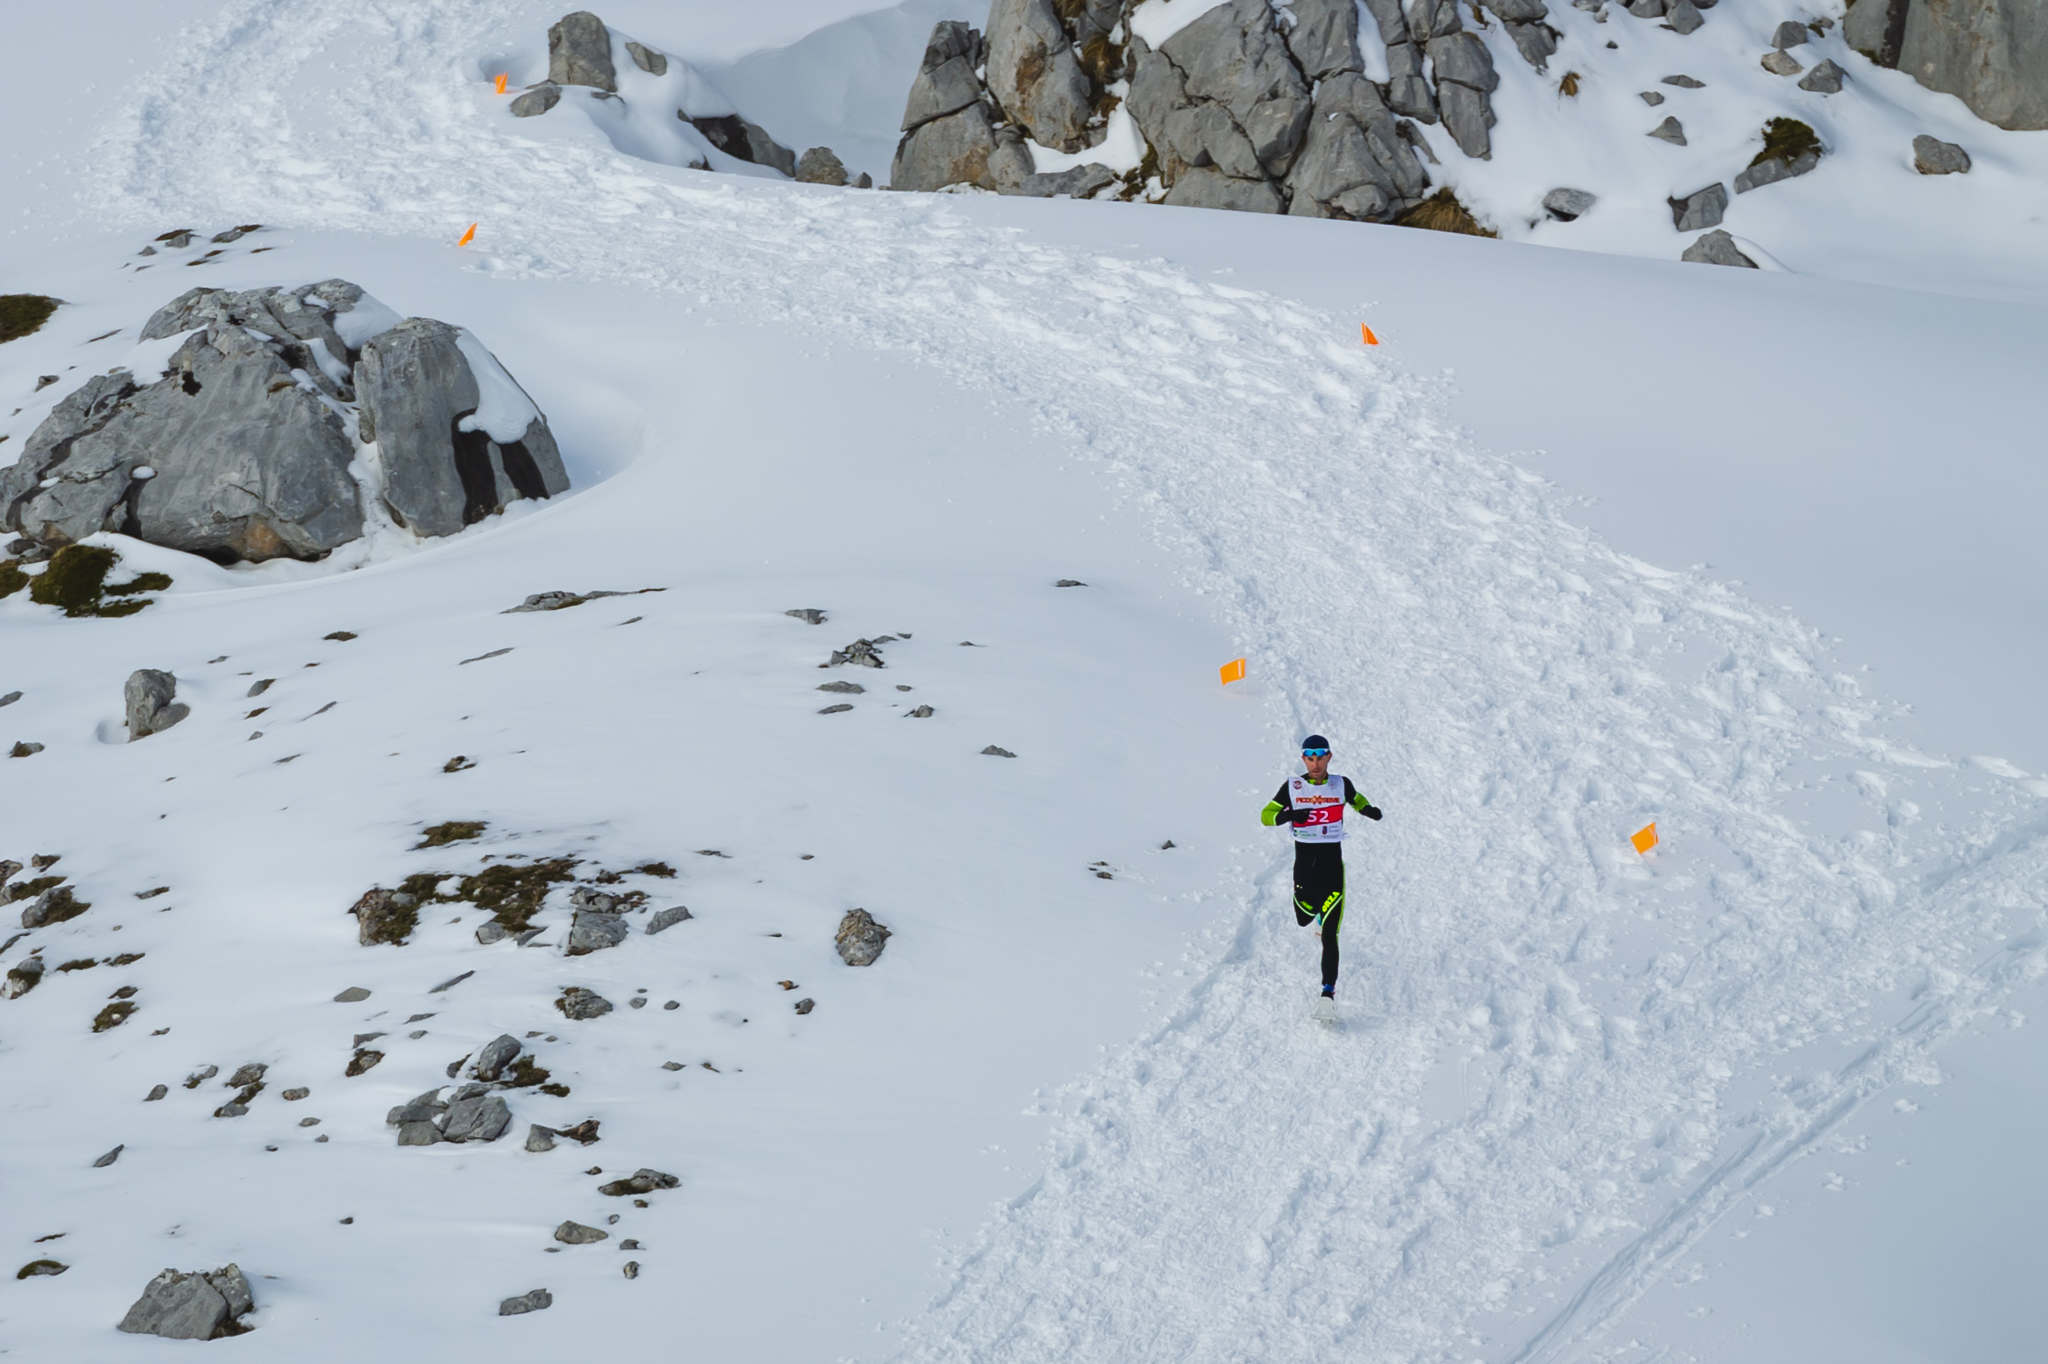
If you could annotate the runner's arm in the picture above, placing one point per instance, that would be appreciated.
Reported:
(1277, 810)
(1359, 802)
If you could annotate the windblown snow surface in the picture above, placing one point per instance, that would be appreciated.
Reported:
(1561, 1064)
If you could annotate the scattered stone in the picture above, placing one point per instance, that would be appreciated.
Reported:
(179, 1306)
(363, 1061)
(1790, 33)
(24, 749)
(637, 1002)
(1684, 17)
(844, 688)
(201, 1076)
(1070, 582)
(458, 763)
(247, 1075)
(641, 1181)
(1567, 205)
(919, 713)
(156, 1092)
(576, 1234)
(148, 694)
(668, 918)
(672, 1004)
(110, 1157)
(860, 939)
(296, 1093)
(647, 59)
(491, 931)
(354, 994)
(861, 653)
(631, 1269)
(994, 752)
(495, 653)
(809, 615)
(309, 1122)
(385, 916)
(54, 906)
(538, 1300)
(540, 1138)
(1782, 64)
(1932, 156)
(804, 1006)
(1670, 130)
(1825, 79)
(451, 983)
(112, 1016)
(477, 1118)
(1701, 208)
(834, 710)
(495, 1056)
(583, 1133)
(594, 931)
(1685, 82)
(579, 1003)
(10, 698)
(536, 100)
(1651, 98)
(51, 1268)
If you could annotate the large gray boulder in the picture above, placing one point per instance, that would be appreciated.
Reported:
(953, 150)
(245, 458)
(1354, 162)
(1932, 156)
(456, 445)
(580, 52)
(1235, 57)
(820, 166)
(1992, 54)
(180, 1306)
(1035, 76)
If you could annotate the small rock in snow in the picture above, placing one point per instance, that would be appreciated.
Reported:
(110, 1157)
(354, 994)
(538, 1300)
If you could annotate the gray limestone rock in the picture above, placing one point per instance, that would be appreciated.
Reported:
(1685, 82)
(1684, 16)
(1781, 64)
(820, 166)
(1354, 162)
(1701, 208)
(1774, 169)
(1035, 76)
(579, 1003)
(539, 1138)
(418, 1134)
(647, 59)
(497, 1054)
(1992, 54)
(110, 1157)
(744, 139)
(477, 1118)
(1651, 98)
(1433, 19)
(420, 399)
(1465, 78)
(147, 695)
(1537, 42)
(1234, 57)
(1077, 182)
(1566, 205)
(1825, 78)
(1206, 187)
(54, 906)
(576, 1234)
(384, 916)
(1647, 9)
(860, 939)
(946, 79)
(668, 918)
(1789, 33)
(952, 150)
(1010, 164)
(354, 994)
(1932, 156)
(536, 100)
(1670, 130)
(592, 931)
(1716, 248)
(1517, 11)
(180, 1306)
(642, 1181)
(538, 1300)
(21, 977)
(580, 52)
(1324, 38)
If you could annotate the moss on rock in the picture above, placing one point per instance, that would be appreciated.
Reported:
(1442, 212)
(1787, 139)
(12, 579)
(454, 831)
(513, 894)
(113, 1016)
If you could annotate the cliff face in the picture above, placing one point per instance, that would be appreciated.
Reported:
(1992, 54)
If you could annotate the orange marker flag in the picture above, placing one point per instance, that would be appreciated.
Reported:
(1645, 838)
(1233, 671)
(501, 82)
(468, 236)
(1365, 333)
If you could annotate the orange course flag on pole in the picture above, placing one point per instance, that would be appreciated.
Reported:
(1645, 838)
(1233, 671)
(1365, 334)
(500, 83)
(468, 236)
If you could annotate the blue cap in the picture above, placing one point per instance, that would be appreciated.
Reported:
(1315, 741)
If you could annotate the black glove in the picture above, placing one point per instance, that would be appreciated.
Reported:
(1289, 815)
(1371, 812)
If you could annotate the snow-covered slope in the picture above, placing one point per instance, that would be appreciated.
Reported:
(1563, 1063)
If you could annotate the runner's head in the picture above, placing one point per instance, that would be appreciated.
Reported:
(1315, 755)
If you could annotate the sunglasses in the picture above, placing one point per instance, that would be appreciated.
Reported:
(1315, 753)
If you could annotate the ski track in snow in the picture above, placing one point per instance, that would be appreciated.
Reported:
(1540, 1111)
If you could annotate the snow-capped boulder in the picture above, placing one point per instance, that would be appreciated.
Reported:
(459, 439)
(1992, 54)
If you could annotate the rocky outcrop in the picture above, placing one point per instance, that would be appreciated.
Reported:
(580, 52)
(468, 1113)
(948, 136)
(197, 1306)
(1992, 54)
(1353, 162)
(1035, 76)
(242, 450)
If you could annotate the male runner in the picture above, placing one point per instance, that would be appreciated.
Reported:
(1314, 804)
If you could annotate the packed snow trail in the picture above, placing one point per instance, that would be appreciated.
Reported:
(1575, 1059)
